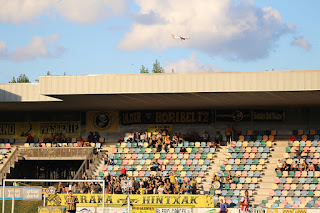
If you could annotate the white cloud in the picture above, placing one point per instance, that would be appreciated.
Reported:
(301, 42)
(192, 64)
(39, 47)
(80, 11)
(217, 27)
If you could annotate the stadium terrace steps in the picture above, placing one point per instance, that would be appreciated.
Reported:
(214, 167)
(267, 178)
(100, 162)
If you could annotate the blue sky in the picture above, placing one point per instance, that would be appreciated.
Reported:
(79, 37)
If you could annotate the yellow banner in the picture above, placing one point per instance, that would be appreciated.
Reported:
(155, 128)
(145, 209)
(105, 121)
(21, 130)
(114, 200)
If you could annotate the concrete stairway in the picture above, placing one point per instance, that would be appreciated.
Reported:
(214, 167)
(268, 175)
(99, 162)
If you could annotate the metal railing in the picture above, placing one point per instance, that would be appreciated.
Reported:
(55, 153)
(89, 161)
(8, 163)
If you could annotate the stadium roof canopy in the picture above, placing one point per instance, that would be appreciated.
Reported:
(216, 90)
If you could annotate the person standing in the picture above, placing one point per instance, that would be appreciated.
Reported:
(71, 202)
(228, 132)
(244, 203)
(223, 207)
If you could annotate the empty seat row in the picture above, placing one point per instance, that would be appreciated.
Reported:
(294, 186)
(292, 174)
(244, 161)
(246, 155)
(256, 137)
(248, 150)
(7, 140)
(251, 144)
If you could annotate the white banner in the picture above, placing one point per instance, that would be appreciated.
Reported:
(173, 210)
(206, 210)
(112, 210)
(86, 210)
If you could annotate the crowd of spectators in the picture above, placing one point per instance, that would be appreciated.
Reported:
(298, 163)
(162, 141)
(169, 184)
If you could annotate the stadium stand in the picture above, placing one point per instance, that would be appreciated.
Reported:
(297, 179)
(245, 161)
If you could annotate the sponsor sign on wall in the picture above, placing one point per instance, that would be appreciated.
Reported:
(21, 130)
(143, 209)
(173, 210)
(165, 117)
(183, 201)
(103, 121)
(112, 210)
(249, 115)
(22, 193)
(86, 210)
(208, 210)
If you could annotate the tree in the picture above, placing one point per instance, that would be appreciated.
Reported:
(144, 70)
(157, 68)
(23, 79)
(48, 73)
(13, 80)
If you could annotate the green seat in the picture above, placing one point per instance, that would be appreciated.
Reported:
(162, 156)
(133, 168)
(314, 180)
(279, 174)
(119, 162)
(227, 186)
(212, 192)
(134, 145)
(117, 173)
(177, 173)
(301, 148)
(263, 144)
(288, 150)
(203, 156)
(225, 173)
(118, 145)
(241, 167)
(278, 201)
(236, 179)
(310, 193)
(230, 192)
(291, 173)
(264, 202)
(240, 155)
(185, 168)
(100, 174)
(236, 149)
(222, 167)
(151, 156)
(143, 150)
(191, 144)
(117, 156)
(255, 161)
(194, 150)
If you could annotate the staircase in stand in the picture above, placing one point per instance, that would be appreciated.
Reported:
(214, 167)
(268, 175)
